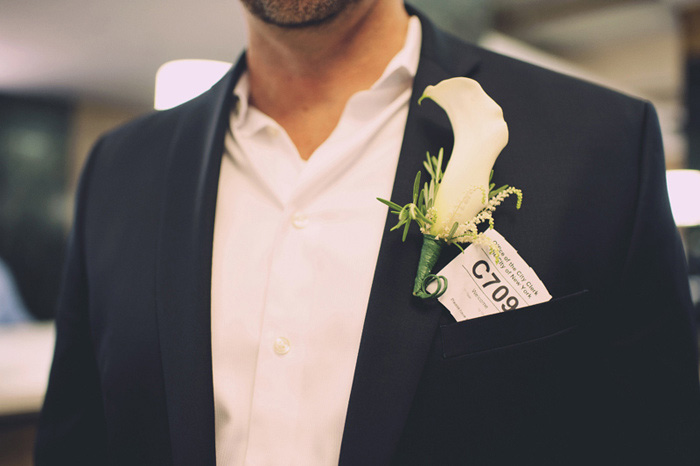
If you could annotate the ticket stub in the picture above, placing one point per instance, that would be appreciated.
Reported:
(479, 284)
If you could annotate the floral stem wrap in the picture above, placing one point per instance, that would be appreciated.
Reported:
(429, 254)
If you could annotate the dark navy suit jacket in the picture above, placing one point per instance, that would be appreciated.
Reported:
(605, 373)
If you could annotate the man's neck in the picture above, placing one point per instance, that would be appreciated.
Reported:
(303, 78)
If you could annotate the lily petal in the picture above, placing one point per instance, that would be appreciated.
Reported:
(480, 134)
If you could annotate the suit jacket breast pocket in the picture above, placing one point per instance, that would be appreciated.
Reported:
(515, 327)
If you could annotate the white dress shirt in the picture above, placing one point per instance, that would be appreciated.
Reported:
(295, 247)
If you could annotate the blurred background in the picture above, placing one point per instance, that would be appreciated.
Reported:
(72, 69)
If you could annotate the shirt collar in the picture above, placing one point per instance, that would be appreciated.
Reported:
(405, 62)
(401, 68)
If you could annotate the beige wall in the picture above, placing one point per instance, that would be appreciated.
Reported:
(90, 120)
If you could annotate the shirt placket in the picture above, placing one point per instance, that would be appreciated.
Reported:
(281, 352)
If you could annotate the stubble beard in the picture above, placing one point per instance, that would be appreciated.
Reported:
(295, 14)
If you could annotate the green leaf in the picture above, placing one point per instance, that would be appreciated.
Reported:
(421, 216)
(453, 230)
(405, 231)
(496, 191)
(428, 166)
(398, 225)
(416, 187)
(393, 205)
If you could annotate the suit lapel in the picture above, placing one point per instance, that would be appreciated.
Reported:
(399, 328)
(184, 271)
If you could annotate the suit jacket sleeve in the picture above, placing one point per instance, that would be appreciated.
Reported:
(656, 358)
(72, 426)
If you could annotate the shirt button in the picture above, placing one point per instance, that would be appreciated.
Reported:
(282, 346)
(300, 221)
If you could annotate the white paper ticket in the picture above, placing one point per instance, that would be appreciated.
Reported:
(479, 284)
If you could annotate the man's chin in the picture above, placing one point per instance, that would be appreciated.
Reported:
(300, 14)
(299, 23)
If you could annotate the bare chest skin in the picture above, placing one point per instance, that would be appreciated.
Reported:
(310, 129)
(311, 119)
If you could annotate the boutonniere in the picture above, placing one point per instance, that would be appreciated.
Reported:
(450, 207)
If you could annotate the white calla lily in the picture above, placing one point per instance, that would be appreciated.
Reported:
(449, 208)
(480, 133)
